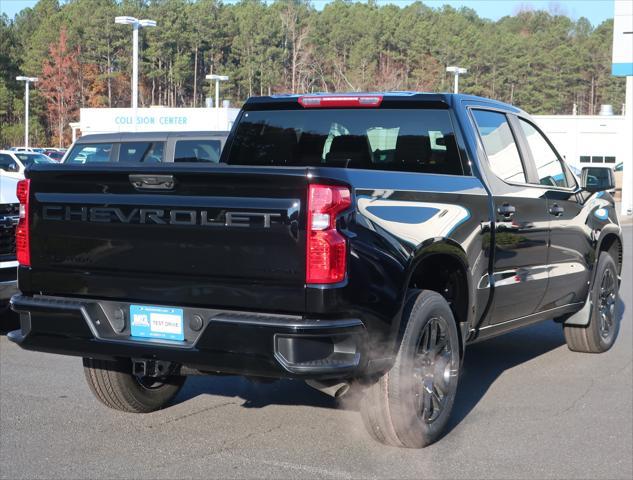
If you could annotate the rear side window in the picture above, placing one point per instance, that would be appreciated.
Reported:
(90, 153)
(413, 140)
(206, 150)
(141, 152)
(501, 150)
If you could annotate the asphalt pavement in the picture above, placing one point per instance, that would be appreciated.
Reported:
(527, 407)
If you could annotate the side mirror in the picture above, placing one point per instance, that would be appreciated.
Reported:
(597, 179)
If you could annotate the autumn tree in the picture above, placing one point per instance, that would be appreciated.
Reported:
(59, 83)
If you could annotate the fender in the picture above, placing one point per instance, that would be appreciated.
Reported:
(429, 248)
(583, 316)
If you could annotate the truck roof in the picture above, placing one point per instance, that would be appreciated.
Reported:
(447, 99)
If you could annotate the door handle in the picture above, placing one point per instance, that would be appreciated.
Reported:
(152, 182)
(507, 211)
(556, 210)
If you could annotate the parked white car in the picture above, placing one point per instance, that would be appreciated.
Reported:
(13, 164)
(9, 214)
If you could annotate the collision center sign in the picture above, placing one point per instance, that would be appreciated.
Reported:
(155, 119)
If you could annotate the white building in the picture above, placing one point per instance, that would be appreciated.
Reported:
(586, 139)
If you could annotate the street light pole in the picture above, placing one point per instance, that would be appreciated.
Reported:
(218, 79)
(27, 81)
(457, 71)
(136, 25)
(135, 65)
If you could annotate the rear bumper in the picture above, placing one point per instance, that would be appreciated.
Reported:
(219, 341)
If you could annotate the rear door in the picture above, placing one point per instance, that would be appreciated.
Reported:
(521, 224)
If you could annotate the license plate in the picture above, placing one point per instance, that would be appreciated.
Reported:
(156, 322)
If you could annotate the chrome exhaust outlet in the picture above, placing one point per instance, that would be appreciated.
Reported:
(333, 388)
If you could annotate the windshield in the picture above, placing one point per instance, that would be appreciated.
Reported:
(29, 159)
(381, 139)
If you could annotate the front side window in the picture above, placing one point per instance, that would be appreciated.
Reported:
(205, 150)
(90, 153)
(548, 165)
(141, 152)
(501, 150)
(411, 140)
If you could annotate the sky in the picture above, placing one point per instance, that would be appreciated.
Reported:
(595, 10)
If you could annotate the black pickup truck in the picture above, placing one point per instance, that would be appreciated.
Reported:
(352, 239)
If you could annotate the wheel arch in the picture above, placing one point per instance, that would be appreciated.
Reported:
(450, 277)
(611, 241)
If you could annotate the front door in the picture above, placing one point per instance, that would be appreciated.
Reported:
(521, 226)
(570, 251)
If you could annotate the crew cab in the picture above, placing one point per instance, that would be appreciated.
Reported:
(359, 240)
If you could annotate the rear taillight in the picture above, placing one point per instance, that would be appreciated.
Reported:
(22, 238)
(326, 255)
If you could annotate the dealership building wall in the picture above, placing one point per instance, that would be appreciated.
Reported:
(586, 139)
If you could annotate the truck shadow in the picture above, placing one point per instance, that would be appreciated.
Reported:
(484, 363)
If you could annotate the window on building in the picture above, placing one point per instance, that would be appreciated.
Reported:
(501, 150)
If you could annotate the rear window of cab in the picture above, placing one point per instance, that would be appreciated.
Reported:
(412, 140)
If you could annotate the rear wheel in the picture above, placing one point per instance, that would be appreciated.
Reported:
(600, 334)
(114, 385)
(410, 405)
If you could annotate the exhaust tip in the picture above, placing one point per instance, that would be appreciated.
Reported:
(342, 390)
(334, 388)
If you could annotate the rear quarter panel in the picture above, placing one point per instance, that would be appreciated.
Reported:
(398, 219)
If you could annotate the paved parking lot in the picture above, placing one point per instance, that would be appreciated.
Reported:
(527, 408)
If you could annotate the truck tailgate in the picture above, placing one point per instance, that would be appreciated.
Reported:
(214, 235)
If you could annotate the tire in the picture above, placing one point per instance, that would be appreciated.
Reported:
(601, 332)
(410, 405)
(114, 385)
